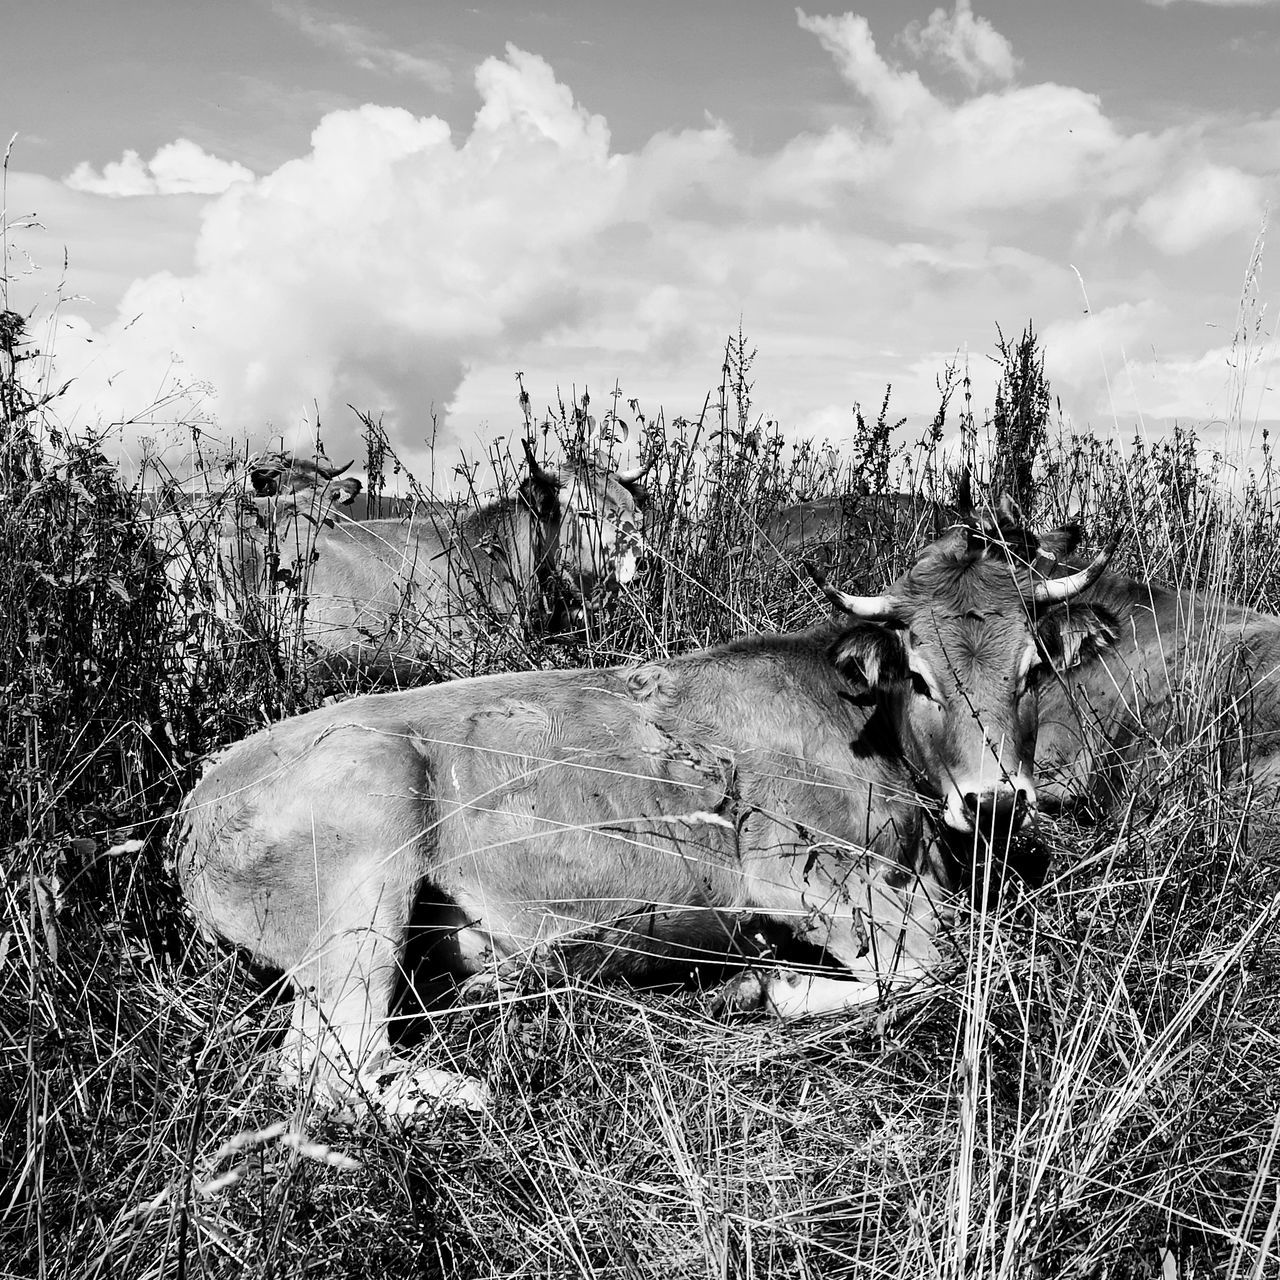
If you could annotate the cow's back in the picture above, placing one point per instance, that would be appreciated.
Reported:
(856, 536)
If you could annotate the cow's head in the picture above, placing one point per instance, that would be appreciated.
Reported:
(279, 474)
(284, 486)
(956, 650)
(590, 520)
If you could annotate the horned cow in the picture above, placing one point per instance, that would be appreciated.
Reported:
(219, 539)
(616, 819)
(858, 532)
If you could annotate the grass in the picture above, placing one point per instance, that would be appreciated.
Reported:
(1089, 1091)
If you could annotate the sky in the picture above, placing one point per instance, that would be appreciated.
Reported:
(233, 218)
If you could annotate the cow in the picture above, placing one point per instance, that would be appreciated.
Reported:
(370, 506)
(411, 599)
(1188, 669)
(293, 480)
(859, 534)
(816, 522)
(612, 820)
(202, 517)
(217, 538)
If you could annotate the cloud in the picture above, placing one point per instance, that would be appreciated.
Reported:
(177, 168)
(407, 269)
(894, 95)
(1085, 351)
(934, 165)
(1140, 364)
(371, 269)
(1200, 205)
(963, 43)
(363, 47)
(1196, 386)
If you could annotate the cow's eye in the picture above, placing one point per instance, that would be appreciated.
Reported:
(920, 686)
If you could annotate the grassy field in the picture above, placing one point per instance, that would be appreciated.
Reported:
(1091, 1090)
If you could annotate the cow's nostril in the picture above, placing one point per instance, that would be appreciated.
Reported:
(970, 799)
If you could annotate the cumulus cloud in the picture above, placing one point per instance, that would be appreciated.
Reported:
(963, 43)
(177, 168)
(370, 269)
(1084, 352)
(1194, 386)
(1144, 366)
(1199, 205)
(403, 268)
(1019, 150)
(936, 164)
(893, 94)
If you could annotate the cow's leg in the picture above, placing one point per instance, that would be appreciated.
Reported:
(884, 937)
(338, 1046)
(493, 951)
(343, 988)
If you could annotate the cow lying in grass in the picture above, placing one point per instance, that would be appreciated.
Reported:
(1192, 681)
(219, 538)
(619, 819)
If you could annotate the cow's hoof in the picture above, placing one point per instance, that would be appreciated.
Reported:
(780, 992)
(417, 1095)
(748, 993)
(413, 1098)
(480, 988)
(391, 1089)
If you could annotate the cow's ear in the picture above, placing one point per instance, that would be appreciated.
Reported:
(870, 655)
(541, 495)
(1077, 633)
(264, 479)
(540, 489)
(342, 493)
(1062, 541)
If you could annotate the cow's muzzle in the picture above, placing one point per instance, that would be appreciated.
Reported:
(995, 815)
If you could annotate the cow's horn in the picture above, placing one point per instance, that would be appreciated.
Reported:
(1056, 590)
(535, 469)
(332, 471)
(637, 473)
(871, 608)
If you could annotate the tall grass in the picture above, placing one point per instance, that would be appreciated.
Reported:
(1091, 1093)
